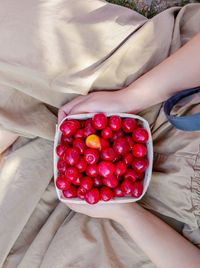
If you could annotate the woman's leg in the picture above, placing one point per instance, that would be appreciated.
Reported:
(7, 138)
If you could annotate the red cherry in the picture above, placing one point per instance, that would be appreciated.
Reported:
(93, 196)
(140, 175)
(70, 193)
(108, 154)
(91, 156)
(106, 193)
(79, 134)
(104, 143)
(117, 135)
(126, 187)
(77, 181)
(137, 189)
(81, 193)
(60, 149)
(87, 183)
(107, 133)
(72, 173)
(82, 122)
(130, 142)
(129, 124)
(99, 121)
(66, 140)
(139, 150)
(80, 144)
(69, 127)
(61, 166)
(92, 170)
(128, 159)
(98, 182)
(72, 156)
(62, 183)
(88, 122)
(111, 181)
(121, 146)
(131, 174)
(118, 192)
(82, 165)
(140, 165)
(115, 122)
(140, 135)
(106, 168)
(89, 130)
(120, 168)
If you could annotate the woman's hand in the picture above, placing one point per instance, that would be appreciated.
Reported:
(109, 211)
(115, 101)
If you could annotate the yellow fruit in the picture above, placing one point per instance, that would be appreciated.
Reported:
(93, 141)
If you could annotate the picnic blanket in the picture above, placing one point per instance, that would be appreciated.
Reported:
(50, 52)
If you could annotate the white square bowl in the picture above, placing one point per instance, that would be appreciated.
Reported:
(148, 172)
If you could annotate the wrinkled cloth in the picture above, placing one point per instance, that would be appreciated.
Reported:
(51, 52)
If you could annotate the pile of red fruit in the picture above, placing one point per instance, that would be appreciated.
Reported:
(101, 158)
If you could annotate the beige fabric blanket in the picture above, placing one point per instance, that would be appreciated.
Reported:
(51, 51)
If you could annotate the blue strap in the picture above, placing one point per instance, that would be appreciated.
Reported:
(186, 123)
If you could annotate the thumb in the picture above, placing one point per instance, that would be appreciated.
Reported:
(65, 110)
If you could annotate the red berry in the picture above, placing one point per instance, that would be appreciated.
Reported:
(72, 156)
(116, 135)
(108, 154)
(79, 134)
(82, 122)
(72, 173)
(120, 168)
(139, 150)
(137, 189)
(111, 181)
(88, 122)
(69, 127)
(98, 182)
(140, 164)
(130, 142)
(70, 193)
(60, 149)
(89, 130)
(81, 193)
(126, 187)
(62, 183)
(106, 193)
(140, 135)
(82, 165)
(91, 156)
(104, 143)
(118, 192)
(99, 121)
(80, 144)
(106, 169)
(87, 183)
(131, 174)
(66, 140)
(129, 124)
(140, 175)
(121, 146)
(128, 159)
(93, 196)
(115, 122)
(61, 166)
(107, 133)
(92, 170)
(77, 181)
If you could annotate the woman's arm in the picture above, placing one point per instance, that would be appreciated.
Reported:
(165, 247)
(180, 71)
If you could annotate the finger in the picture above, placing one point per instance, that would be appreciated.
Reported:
(86, 106)
(64, 110)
